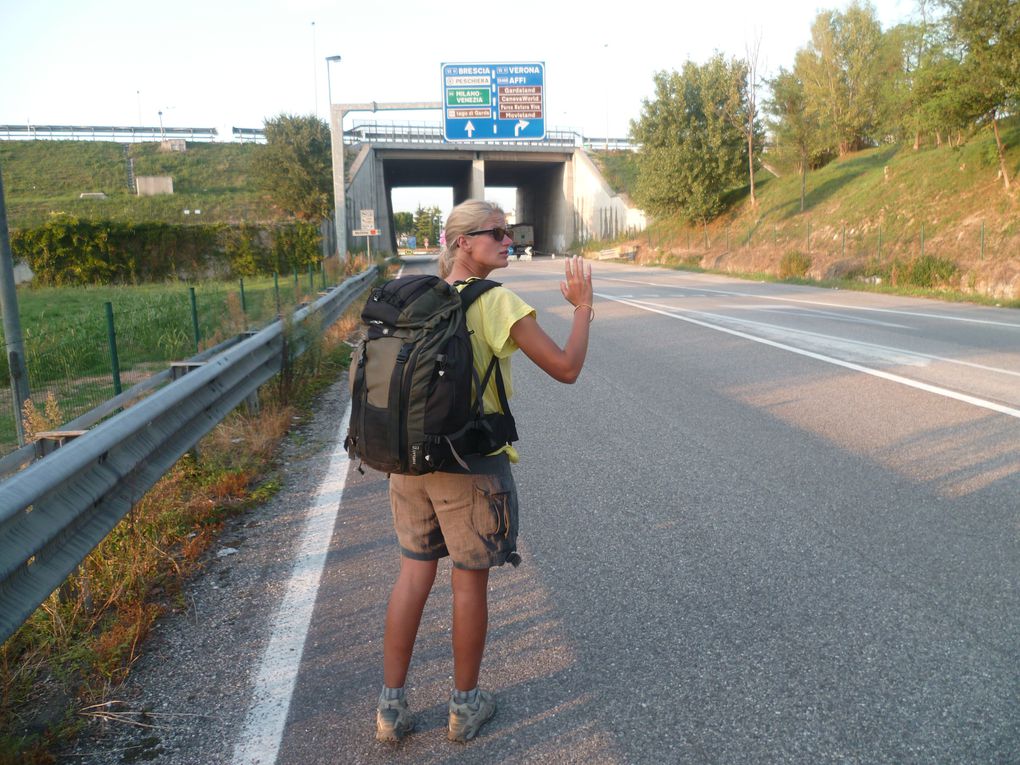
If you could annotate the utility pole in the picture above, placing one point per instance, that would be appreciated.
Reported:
(12, 322)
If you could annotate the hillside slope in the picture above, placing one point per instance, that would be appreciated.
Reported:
(872, 216)
(43, 177)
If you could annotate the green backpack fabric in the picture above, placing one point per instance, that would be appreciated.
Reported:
(411, 379)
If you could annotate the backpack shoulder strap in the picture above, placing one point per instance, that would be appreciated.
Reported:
(474, 290)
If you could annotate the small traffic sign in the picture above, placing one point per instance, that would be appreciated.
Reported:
(494, 102)
(365, 232)
(368, 218)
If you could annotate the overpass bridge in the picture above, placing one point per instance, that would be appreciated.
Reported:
(560, 190)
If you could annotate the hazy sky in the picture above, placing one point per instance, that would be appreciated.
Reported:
(224, 63)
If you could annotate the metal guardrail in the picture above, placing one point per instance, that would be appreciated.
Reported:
(16, 460)
(105, 133)
(249, 135)
(54, 512)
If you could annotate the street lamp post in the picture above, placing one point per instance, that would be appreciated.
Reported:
(315, 72)
(605, 85)
(162, 135)
(336, 136)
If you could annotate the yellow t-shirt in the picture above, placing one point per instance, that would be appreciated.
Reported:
(489, 320)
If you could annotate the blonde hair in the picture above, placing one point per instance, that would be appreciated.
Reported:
(467, 216)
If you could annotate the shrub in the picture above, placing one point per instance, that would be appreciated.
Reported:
(794, 263)
(69, 251)
(930, 271)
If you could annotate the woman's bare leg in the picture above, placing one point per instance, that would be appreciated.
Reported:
(470, 623)
(403, 615)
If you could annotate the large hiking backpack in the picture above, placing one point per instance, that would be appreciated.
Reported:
(411, 376)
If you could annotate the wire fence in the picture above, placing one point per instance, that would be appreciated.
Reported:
(75, 365)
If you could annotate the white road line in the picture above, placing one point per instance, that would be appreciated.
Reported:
(259, 742)
(798, 311)
(895, 311)
(837, 340)
(945, 392)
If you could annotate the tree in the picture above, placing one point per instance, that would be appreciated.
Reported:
(750, 126)
(295, 166)
(428, 223)
(988, 33)
(930, 91)
(693, 149)
(403, 223)
(842, 71)
(796, 134)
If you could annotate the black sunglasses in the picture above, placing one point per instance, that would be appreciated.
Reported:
(496, 233)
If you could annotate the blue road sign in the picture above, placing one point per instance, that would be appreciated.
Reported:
(494, 102)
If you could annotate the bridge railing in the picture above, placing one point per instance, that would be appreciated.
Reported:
(374, 132)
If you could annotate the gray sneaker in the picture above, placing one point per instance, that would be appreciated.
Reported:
(466, 719)
(393, 720)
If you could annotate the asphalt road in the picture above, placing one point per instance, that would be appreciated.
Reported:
(769, 524)
(734, 552)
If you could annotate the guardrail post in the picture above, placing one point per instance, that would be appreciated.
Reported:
(251, 402)
(111, 336)
(244, 304)
(194, 317)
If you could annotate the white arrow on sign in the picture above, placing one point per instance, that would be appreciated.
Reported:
(469, 129)
(521, 124)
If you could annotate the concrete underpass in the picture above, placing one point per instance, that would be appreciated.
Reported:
(559, 188)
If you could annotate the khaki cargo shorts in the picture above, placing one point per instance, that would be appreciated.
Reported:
(472, 517)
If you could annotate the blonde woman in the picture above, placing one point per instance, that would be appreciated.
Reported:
(470, 515)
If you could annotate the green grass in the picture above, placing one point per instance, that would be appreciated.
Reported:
(857, 285)
(67, 345)
(46, 177)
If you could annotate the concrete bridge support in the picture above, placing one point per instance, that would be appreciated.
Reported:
(559, 192)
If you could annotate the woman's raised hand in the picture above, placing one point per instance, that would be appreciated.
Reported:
(577, 288)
